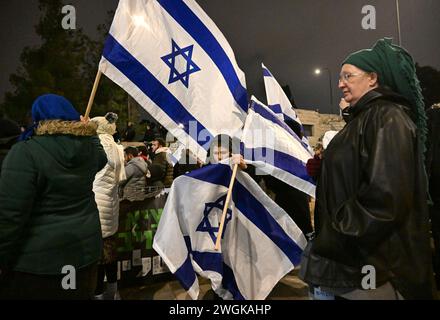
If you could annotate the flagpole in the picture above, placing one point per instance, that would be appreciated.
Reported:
(225, 208)
(92, 95)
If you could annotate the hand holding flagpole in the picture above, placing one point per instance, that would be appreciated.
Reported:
(225, 209)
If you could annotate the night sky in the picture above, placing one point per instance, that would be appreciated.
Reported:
(291, 37)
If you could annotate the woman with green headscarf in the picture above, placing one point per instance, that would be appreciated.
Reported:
(371, 216)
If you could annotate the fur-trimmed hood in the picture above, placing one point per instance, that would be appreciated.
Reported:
(59, 127)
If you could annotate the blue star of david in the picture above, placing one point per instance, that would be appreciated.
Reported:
(170, 61)
(205, 225)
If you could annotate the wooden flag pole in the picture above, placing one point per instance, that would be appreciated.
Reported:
(225, 208)
(92, 95)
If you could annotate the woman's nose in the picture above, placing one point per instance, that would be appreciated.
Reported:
(341, 84)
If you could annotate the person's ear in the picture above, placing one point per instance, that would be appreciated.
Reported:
(374, 80)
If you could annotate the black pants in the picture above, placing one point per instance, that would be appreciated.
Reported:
(296, 204)
(111, 271)
(26, 286)
(434, 212)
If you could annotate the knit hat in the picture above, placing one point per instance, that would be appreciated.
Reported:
(50, 107)
(107, 124)
(396, 70)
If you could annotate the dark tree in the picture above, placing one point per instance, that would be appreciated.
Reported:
(66, 64)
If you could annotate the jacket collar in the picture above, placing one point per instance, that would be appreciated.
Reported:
(365, 102)
(59, 127)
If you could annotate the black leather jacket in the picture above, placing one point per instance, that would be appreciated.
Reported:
(371, 203)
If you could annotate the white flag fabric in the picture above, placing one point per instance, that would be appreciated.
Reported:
(279, 103)
(270, 145)
(174, 61)
(176, 153)
(260, 243)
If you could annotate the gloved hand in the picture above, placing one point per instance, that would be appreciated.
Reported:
(313, 167)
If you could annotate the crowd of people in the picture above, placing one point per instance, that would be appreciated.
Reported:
(377, 199)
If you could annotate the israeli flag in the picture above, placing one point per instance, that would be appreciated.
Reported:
(270, 145)
(260, 243)
(171, 57)
(177, 154)
(279, 103)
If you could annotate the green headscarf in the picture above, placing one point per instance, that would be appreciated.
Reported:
(395, 69)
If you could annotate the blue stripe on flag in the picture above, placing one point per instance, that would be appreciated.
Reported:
(263, 220)
(289, 118)
(230, 284)
(273, 118)
(215, 173)
(188, 243)
(118, 56)
(195, 27)
(276, 108)
(185, 274)
(266, 73)
(210, 261)
(281, 160)
(304, 143)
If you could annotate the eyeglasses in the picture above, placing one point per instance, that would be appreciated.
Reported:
(345, 77)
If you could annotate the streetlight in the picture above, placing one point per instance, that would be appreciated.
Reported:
(318, 72)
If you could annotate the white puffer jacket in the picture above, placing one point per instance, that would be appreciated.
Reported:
(106, 185)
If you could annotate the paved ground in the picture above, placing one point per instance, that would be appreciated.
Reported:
(289, 288)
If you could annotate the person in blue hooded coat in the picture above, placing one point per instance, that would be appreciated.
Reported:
(50, 233)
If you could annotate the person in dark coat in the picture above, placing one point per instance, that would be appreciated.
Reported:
(130, 133)
(371, 194)
(9, 133)
(49, 221)
(117, 136)
(433, 171)
(149, 133)
(161, 167)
